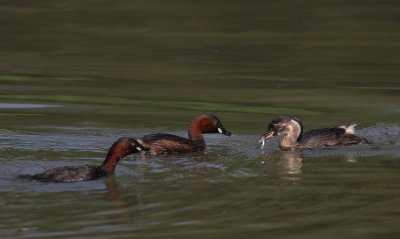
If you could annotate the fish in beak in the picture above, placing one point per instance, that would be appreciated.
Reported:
(266, 136)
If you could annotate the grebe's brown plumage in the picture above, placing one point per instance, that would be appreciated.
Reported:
(120, 148)
(293, 137)
(168, 143)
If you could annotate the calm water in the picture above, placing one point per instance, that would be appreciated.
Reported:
(76, 75)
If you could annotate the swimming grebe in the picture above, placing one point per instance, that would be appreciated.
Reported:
(293, 137)
(120, 148)
(167, 143)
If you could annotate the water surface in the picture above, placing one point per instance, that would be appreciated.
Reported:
(75, 76)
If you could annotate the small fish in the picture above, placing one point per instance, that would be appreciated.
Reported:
(262, 141)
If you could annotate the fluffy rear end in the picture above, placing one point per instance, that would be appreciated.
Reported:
(349, 129)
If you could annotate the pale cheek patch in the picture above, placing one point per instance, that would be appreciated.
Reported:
(289, 128)
(293, 128)
(139, 149)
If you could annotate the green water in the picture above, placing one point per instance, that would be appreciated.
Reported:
(76, 75)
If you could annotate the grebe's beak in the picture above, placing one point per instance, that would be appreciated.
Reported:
(266, 136)
(222, 130)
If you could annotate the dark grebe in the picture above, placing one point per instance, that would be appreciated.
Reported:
(120, 148)
(292, 130)
(168, 143)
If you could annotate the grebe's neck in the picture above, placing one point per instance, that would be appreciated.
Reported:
(196, 134)
(114, 155)
(292, 135)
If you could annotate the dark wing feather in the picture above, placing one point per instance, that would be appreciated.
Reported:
(168, 143)
(328, 137)
(69, 174)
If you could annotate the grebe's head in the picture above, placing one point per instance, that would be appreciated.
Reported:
(128, 145)
(209, 123)
(283, 125)
(120, 148)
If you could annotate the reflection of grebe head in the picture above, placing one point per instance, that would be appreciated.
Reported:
(208, 123)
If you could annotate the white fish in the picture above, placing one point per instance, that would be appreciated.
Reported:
(262, 141)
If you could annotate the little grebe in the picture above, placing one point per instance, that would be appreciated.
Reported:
(167, 143)
(293, 137)
(120, 148)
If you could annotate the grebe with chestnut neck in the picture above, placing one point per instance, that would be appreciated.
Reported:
(291, 129)
(120, 148)
(161, 143)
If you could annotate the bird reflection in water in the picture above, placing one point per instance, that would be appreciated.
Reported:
(118, 204)
(286, 163)
(196, 169)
